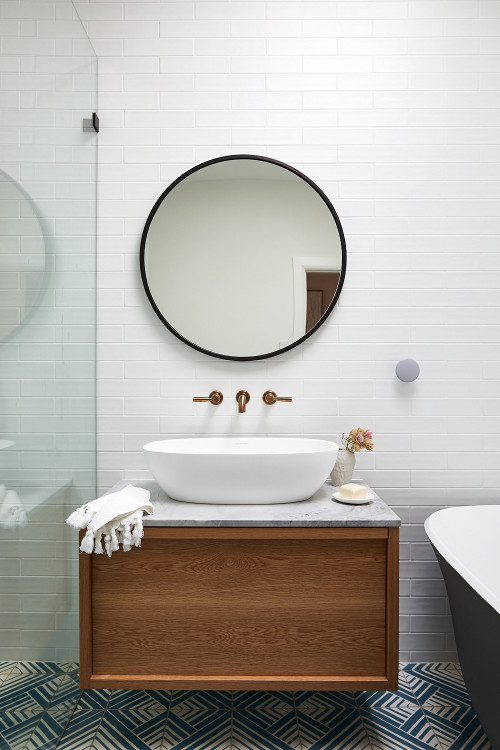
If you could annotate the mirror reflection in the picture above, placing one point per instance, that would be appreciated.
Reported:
(22, 256)
(243, 257)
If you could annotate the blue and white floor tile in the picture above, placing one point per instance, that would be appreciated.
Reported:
(404, 694)
(399, 727)
(436, 684)
(156, 702)
(81, 731)
(16, 728)
(30, 685)
(211, 732)
(93, 700)
(457, 728)
(330, 720)
(198, 719)
(6, 668)
(43, 708)
(48, 731)
(264, 719)
(135, 729)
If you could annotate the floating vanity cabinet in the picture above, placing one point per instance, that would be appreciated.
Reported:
(290, 604)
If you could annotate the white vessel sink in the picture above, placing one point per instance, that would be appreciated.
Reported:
(255, 470)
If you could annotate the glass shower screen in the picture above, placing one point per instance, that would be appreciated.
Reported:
(47, 324)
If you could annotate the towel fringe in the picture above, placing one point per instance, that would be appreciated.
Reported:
(80, 518)
(112, 521)
(87, 544)
(98, 544)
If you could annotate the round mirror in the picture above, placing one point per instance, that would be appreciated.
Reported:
(23, 257)
(243, 257)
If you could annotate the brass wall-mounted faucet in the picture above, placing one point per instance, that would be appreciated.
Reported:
(242, 397)
(270, 398)
(215, 398)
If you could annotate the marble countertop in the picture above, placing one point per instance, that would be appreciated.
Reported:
(319, 510)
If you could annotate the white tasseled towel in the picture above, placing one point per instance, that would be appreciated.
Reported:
(117, 517)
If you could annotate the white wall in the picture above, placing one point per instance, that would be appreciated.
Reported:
(393, 108)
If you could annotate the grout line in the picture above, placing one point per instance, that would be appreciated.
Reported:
(166, 720)
(73, 710)
(46, 708)
(297, 721)
(363, 721)
(91, 746)
(231, 723)
(422, 708)
(8, 673)
(68, 721)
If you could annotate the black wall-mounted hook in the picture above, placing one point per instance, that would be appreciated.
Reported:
(91, 124)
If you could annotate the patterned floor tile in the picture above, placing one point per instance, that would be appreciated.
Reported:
(70, 666)
(437, 684)
(388, 699)
(250, 731)
(16, 728)
(39, 667)
(268, 705)
(93, 700)
(401, 727)
(331, 727)
(49, 730)
(211, 731)
(137, 729)
(68, 693)
(319, 704)
(154, 701)
(6, 668)
(81, 730)
(187, 702)
(457, 728)
(29, 686)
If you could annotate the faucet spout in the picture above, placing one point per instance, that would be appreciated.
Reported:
(242, 397)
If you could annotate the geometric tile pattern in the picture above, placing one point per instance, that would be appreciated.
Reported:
(43, 708)
(437, 684)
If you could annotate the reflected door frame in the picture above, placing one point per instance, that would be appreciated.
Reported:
(301, 266)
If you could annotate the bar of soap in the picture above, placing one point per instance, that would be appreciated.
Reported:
(353, 491)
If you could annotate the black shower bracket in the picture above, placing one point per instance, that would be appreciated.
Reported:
(91, 123)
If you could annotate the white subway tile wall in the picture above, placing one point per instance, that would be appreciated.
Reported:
(394, 109)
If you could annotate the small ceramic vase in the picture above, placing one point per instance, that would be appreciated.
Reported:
(344, 468)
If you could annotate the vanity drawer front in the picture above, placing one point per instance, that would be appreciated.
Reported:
(243, 603)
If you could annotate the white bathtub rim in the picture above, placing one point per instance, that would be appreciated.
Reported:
(491, 596)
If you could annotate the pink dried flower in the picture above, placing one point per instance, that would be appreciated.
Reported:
(357, 439)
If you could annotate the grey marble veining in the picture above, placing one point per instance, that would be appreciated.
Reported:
(319, 510)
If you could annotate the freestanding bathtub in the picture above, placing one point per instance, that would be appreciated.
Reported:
(466, 541)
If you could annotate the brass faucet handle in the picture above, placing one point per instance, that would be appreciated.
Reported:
(215, 398)
(242, 397)
(270, 398)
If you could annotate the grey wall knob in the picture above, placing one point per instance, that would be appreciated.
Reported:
(407, 370)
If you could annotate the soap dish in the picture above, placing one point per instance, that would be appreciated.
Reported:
(350, 501)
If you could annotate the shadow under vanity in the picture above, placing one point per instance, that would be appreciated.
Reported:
(292, 596)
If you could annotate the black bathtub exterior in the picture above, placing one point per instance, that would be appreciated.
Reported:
(477, 633)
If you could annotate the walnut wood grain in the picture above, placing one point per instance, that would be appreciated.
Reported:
(236, 682)
(264, 532)
(392, 608)
(85, 571)
(241, 606)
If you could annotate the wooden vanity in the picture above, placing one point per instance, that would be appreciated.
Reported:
(288, 597)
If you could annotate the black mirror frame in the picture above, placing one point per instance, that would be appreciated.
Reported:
(217, 161)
